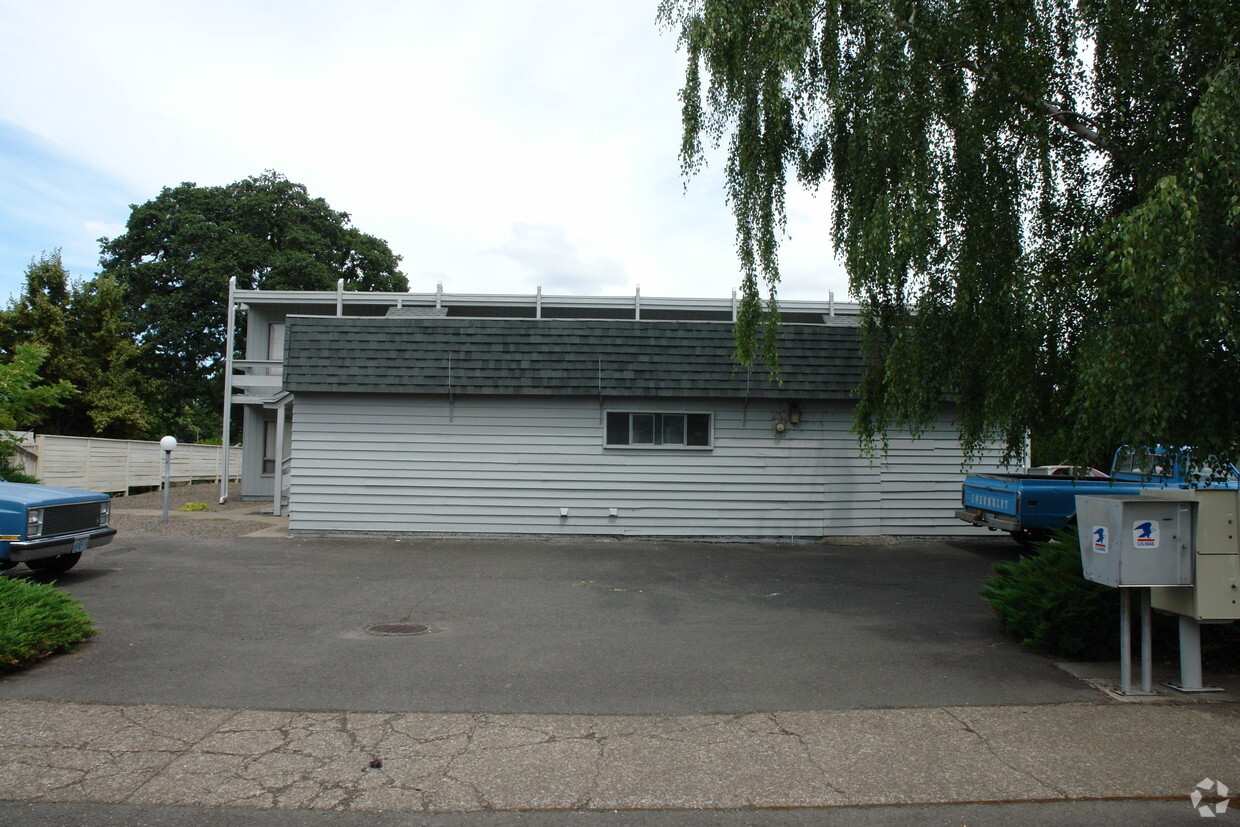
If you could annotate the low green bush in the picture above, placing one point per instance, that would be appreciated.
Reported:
(8, 473)
(1044, 601)
(37, 620)
(195, 507)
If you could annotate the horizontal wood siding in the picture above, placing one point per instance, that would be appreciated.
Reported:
(389, 464)
(921, 482)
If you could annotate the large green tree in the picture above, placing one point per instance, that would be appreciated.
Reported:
(1038, 203)
(179, 251)
(84, 333)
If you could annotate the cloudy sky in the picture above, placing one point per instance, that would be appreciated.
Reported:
(496, 146)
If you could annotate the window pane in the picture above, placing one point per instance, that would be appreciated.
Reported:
(643, 429)
(673, 429)
(269, 447)
(617, 429)
(698, 429)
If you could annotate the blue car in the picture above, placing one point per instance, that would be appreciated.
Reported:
(48, 528)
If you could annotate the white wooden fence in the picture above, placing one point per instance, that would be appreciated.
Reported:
(117, 465)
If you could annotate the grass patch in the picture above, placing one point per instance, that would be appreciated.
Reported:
(37, 620)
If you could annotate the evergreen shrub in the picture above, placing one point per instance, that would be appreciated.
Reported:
(1044, 601)
(37, 620)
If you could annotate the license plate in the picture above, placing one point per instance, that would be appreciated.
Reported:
(80, 543)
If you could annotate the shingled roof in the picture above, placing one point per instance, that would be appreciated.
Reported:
(564, 357)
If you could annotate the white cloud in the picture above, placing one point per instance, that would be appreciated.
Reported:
(558, 265)
(440, 126)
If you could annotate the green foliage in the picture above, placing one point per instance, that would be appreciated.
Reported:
(177, 254)
(90, 344)
(195, 507)
(1037, 204)
(1169, 279)
(37, 620)
(1045, 602)
(24, 396)
(8, 470)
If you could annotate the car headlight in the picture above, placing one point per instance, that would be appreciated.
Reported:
(34, 522)
(105, 512)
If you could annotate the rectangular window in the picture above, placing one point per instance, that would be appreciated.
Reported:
(270, 454)
(658, 430)
(269, 447)
(275, 347)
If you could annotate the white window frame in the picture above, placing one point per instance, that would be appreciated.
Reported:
(658, 431)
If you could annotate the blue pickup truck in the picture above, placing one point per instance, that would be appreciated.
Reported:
(1031, 506)
(48, 528)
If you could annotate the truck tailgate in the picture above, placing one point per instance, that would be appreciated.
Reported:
(999, 499)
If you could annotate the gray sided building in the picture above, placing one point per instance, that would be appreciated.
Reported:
(574, 419)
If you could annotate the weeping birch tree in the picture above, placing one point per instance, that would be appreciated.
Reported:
(1037, 203)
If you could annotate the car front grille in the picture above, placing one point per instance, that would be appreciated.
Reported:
(66, 519)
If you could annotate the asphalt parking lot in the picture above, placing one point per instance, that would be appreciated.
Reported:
(542, 626)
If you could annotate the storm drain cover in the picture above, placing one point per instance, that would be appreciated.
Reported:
(398, 629)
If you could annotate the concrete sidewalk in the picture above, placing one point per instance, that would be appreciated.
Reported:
(438, 763)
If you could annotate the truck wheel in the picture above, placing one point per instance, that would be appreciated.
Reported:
(55, 565)
(1029, 538)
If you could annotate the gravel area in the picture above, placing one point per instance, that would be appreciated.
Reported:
(230, 522)
(207, 493)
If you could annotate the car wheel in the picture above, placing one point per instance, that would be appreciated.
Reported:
(55, 565)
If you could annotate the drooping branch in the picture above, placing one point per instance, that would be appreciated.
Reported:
(1075, 122)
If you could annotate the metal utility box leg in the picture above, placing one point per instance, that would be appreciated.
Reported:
(1147, 646)
(1125, 643)
(1190, 658)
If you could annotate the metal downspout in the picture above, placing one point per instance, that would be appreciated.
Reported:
(228, 385)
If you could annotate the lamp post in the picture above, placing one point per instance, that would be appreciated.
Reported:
(167, 443)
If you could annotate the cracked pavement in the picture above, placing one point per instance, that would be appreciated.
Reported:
(439, 763)
(638, 682)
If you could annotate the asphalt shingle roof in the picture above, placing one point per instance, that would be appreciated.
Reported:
(570, 357)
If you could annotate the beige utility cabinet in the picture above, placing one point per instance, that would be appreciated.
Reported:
(1216, 591)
